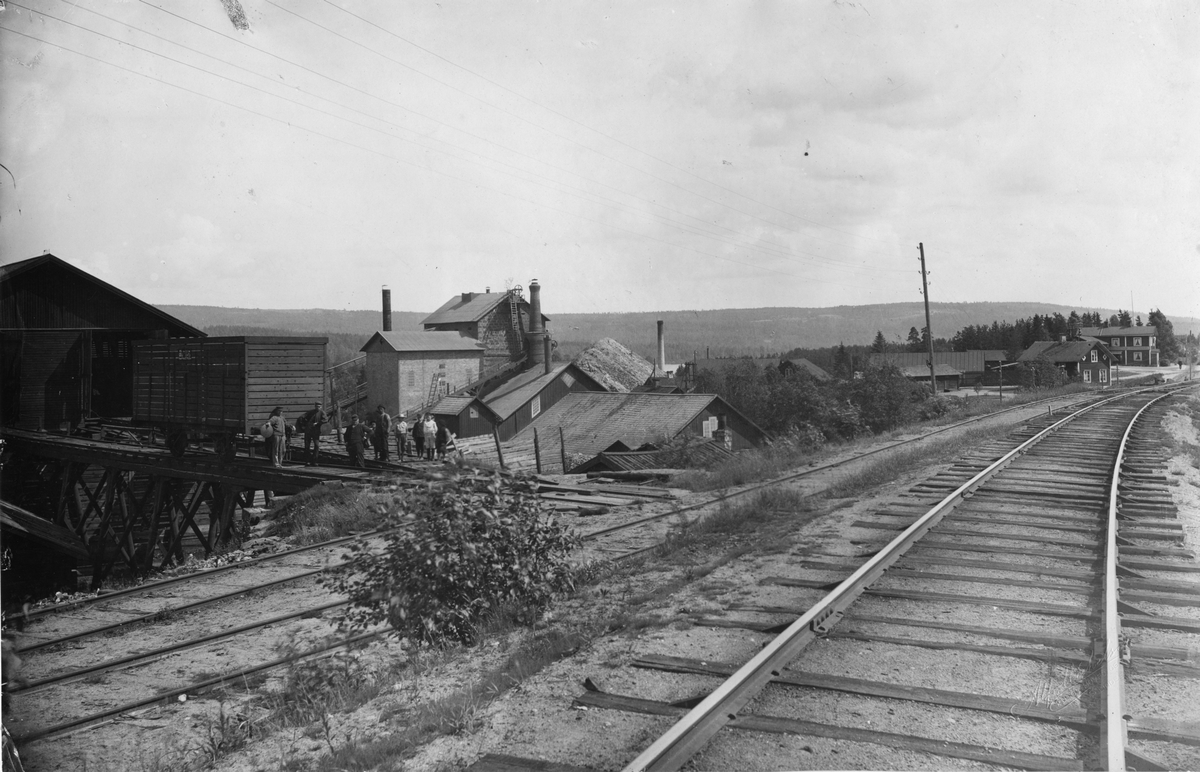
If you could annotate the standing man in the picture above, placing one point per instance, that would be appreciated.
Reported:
(400, 427)
(430, 436)
(279, 438)
(418, 433)
(312, 421)
(383, 430)
(354, 442)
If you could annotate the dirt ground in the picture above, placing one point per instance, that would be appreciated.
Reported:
(650, 611)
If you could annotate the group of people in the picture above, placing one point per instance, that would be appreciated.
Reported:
(425, 438)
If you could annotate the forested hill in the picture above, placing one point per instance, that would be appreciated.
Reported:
(723, 332)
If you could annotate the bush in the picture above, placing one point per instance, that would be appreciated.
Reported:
(474, 546)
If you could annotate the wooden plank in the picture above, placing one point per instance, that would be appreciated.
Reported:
(1051, 609)
(1074, 717)
(1185, 732)
(1015, 759)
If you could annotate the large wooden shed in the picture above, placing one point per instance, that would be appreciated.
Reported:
(66, 340)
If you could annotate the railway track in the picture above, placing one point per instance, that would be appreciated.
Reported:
(161, 667)
(1041, 600)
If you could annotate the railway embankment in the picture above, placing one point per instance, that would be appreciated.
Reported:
(688, 582)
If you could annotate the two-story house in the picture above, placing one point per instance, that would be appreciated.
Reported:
(1136, 346)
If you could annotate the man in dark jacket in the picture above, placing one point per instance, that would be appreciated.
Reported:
(312, 422)
(383, 430)
(355, 435)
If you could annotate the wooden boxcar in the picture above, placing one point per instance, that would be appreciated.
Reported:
(224, 388)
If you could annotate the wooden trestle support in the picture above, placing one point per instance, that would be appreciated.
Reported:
(125, 502)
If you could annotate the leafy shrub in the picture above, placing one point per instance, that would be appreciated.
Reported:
(474, 545)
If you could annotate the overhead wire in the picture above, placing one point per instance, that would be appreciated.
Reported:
(594, 130)
(397, 159)
(840, 265)
(573, 141)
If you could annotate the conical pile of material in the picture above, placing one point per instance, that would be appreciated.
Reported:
(613, 366)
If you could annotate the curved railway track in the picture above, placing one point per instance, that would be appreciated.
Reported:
(310, 602)
(1064, 545)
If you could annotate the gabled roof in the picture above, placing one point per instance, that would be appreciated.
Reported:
(430, 340)
(593, 420)
(1071, 351)
(48, 263)
(470, 307)
(1120, 332)
(816, 372)
(509, 397)
(455, 405)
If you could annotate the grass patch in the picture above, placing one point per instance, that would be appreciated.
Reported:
(893, 466)
(322, 513)
(779, 459)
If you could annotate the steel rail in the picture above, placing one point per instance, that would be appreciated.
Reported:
(683, 740)
(1116, 730)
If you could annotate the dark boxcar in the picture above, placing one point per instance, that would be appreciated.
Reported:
(224, 387)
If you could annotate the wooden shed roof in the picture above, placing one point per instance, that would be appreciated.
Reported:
(71, 298)
(428, 340)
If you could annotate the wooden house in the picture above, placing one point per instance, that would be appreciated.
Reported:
(66, 341)
(1136, 346)
(1088, 360)
(465, 416)
(408, 371)
(519, 402)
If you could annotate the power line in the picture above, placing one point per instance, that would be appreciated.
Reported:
(332, 138)
(568, 139)
(688, 229)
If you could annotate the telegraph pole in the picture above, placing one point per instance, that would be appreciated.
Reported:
(928, 324)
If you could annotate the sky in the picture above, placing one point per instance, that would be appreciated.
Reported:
(630, 156)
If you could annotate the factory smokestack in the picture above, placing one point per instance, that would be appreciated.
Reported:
(660, 364)
(537, 332)
(387, 309)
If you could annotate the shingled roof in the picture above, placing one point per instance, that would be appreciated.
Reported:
(469, 307)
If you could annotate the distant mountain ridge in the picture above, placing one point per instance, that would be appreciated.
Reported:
(721, 332)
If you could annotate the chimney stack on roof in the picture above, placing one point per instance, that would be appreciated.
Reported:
(467, 297)
(660, 362)
(387, 309)
(536, 331)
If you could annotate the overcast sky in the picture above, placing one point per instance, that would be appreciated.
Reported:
(630, 156)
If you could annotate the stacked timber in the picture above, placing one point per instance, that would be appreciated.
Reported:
(613, 366)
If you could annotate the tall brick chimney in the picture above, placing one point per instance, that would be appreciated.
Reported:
(536, 331)
(660, 363)
(387, 309)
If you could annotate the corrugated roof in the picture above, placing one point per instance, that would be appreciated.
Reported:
(505, 400)
(429, 340)
(1071, 351)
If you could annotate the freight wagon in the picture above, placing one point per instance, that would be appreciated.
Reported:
(223, 389)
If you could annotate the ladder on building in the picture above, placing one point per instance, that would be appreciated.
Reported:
(434, 388)
(514, 308)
